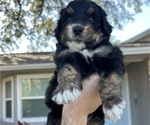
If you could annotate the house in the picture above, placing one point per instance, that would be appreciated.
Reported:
(24, 78)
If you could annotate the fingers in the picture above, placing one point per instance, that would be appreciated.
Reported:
(90, 93)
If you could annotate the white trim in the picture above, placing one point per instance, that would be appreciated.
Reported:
(19, 98)
(128, 98)
(27, 67)
(135, 50)
(34, 120)
(8, 99)
(34, 97)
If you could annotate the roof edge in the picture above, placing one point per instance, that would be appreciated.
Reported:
(137, 37)
(27, 67)
(135, 50)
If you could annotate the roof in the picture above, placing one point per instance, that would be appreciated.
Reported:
(26, 61)
(138, 45)
(25, 58)
(139, 38)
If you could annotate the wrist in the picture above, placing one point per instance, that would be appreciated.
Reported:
(74, 119)
(73, 116)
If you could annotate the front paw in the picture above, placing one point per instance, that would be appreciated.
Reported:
(66, 93)
(115, 112)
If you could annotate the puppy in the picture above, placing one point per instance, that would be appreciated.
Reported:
(83, 49)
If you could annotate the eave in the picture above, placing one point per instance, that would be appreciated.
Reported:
(27, 67)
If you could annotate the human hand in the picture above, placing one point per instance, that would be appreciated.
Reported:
(76, 112)
(90, 97)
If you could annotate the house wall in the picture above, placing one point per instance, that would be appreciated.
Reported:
(138, 89)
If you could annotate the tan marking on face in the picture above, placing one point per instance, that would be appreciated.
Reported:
(90, 10)
(69, 31)
(70, 10)
(90, 35)
(67, 37)
(67, 34)
(97, 36)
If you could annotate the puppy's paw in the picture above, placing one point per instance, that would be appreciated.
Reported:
(66, 96)
(69, 85)
(115, 112)
(67, 92)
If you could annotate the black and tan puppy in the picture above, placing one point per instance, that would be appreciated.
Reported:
(83, 49)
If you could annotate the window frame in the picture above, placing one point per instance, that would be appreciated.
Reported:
(20, 98)
(5, 118)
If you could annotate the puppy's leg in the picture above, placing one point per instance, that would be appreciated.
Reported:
(69, 85)
(113, 103)
(109, 64)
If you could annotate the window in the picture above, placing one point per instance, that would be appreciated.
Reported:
(8, 99)
(31, 97)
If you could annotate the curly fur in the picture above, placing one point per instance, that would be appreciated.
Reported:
(83, 49)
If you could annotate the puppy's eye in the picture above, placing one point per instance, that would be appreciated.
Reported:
(92, 19)
(69, 18)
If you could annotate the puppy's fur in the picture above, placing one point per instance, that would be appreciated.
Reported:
(83, 49)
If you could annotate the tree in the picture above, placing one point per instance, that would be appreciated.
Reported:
(34, 20)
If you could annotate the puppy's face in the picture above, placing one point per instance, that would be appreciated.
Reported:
(82, 24)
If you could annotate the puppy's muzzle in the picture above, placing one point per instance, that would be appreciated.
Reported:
(77, 30)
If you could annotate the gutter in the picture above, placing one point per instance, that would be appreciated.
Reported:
(27, 67)
(135, 50)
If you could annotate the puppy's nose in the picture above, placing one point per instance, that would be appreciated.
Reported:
(77, 30)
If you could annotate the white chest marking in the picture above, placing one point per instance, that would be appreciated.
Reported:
(86, 53)
(102, 52)
(75, 46)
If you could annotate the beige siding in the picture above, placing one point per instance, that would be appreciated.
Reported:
(138, 84)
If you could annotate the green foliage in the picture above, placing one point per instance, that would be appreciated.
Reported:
(35, 20)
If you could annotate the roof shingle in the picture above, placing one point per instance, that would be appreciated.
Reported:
(25, 58)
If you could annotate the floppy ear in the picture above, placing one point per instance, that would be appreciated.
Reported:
(59, 26)
(107, 29)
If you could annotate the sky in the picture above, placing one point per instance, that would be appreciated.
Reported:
(140, 24)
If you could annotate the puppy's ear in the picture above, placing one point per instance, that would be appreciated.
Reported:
(107, 29)
(59, 26)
